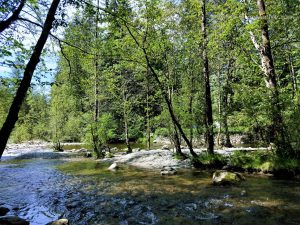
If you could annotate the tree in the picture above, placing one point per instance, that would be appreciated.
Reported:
(12, 116)
(15, 16)
(208, 117)
(277, 133)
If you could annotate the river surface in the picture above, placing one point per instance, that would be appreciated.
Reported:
(85, 192)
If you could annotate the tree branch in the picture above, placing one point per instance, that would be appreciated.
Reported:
(6, 23)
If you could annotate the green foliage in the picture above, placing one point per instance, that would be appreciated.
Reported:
(210, 161)
(162, 132)
(265, 161)
(106, 63)
(102, 131)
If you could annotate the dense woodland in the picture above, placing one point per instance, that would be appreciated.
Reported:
(196, 71)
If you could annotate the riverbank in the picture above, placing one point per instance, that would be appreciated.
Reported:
(247, 159)
(158, 158)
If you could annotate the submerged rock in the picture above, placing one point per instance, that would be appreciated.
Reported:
(3, 211)
(59, 222)
(167, 170)
(13, 220)
(221, 177)
(113, 166)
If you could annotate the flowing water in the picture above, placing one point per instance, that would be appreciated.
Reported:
(85, 192)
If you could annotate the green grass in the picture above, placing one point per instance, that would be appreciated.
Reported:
(264, 161)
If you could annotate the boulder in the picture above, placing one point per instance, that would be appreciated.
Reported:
(3, 211)
(13, 220)
(113, 166)
(109, 155)
(88, 155)
(167, 170)
(165, 147)
(59, 222)
(82, 150)
(136, 150)
(222, 177)
(114, 149)
(105, 148)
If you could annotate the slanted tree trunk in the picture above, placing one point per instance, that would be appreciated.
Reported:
(208, 102)
(13, 113)
(175, 135)
(164, 93)
(15, 15)
(278, 135)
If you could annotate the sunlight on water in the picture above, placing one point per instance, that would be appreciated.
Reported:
(86, 192)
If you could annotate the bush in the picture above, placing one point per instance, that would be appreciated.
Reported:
(162, 132)
(215, 161)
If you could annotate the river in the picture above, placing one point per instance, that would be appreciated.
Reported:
(41, 190)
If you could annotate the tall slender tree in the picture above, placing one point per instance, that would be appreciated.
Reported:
(13, 113)
(208, 117)
(277, 133)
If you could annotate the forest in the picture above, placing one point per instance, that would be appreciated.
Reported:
(149, 112)
(196, 72)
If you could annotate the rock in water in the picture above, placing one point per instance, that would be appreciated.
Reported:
(13, 220)
(59, 222)
(221, 177)
(3, 211)
(168, 171)
(113, 166)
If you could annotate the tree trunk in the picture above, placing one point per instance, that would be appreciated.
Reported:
(148, 118)
(129, 149)
(170, 107)
(97, 146)
(219, 105)
(165, 95)
(191, 118)
(6, 23)
(226, 92)
(208, 102)
(13, 113)
(293, 75)
(277, 128)
(96, 85)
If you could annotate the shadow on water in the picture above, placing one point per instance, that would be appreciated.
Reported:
(86, 192)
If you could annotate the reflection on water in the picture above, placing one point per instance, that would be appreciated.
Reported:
(86, 192)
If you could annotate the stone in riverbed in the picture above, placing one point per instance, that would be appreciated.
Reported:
(13, 220)
(165, 147)
(3, 211)
(59, 222)
(221, 177)
(113, 166)
(136, 150)
(88, 154)
(167, 170)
